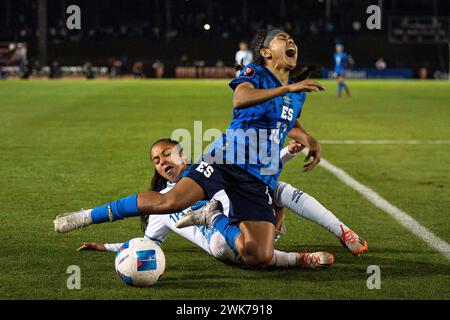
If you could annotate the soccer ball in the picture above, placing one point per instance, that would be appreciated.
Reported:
(140, 262)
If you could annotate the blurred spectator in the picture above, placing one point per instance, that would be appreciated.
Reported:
(116, 69)
(20, 58)
(184, 61)
(199, 63)
(37, 68)
(313, 28)
(158, 69)
(350, 62)
(380, 64)
(138, 70)
(123, 67)
(423, 73)
(329, 27)
(244, 56)
(88, 71)
(55, 71)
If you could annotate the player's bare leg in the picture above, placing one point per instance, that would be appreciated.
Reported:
(207, 216)
(255, 245)
(184, 194)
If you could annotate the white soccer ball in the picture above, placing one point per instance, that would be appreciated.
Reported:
(140, 262)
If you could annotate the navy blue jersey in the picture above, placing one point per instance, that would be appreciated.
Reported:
(269, 121)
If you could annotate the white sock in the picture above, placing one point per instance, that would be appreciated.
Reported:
(307, 207)
(283, 259)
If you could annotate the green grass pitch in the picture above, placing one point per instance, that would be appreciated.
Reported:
(71, 144)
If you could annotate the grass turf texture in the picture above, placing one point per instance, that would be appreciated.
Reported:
(72, 144)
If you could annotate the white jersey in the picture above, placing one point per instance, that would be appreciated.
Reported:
(243, 57)
(209, 239)
(159, 226)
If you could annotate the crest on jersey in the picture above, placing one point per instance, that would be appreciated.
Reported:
(249, 72)
(286, 100)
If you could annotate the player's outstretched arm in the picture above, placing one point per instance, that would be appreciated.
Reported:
(92, 246)
(98, 246)
(245, 94)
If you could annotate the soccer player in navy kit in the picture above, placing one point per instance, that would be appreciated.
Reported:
(265, 100)
(340, 63)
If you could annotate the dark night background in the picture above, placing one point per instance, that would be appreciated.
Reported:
(166, 30)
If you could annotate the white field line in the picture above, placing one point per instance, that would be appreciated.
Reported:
(385, 142)
(401, 216)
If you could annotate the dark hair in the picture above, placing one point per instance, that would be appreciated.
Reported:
(157, 182)
(257, 43)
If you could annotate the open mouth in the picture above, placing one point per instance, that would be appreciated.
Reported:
(290, 52)
(168, 169)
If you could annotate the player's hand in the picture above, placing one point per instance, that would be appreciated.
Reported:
(92, 246)
(315, 152)
(295, 147)
(305, 86)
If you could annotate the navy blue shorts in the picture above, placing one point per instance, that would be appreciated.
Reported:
(250, 199)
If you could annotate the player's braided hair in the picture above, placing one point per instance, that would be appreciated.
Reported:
(257, 43)
(157, 182)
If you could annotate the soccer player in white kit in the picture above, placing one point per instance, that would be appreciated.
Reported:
(207, 238)
(243, 57)
(210, 240)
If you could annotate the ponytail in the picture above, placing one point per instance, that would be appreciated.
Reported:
(300, 74)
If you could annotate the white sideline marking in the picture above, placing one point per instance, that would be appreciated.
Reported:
(401, 216)
(385, 141)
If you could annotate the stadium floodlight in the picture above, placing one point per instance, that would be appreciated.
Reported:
(420, 30)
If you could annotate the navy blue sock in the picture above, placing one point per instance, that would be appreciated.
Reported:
(229, 231)
(116, 210)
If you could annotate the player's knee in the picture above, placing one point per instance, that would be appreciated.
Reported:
(255, 256)
(264, 259)
(258, 261)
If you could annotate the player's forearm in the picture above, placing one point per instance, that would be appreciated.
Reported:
(302, 136)
(299, 134)
(113, 247)
(246, 97)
